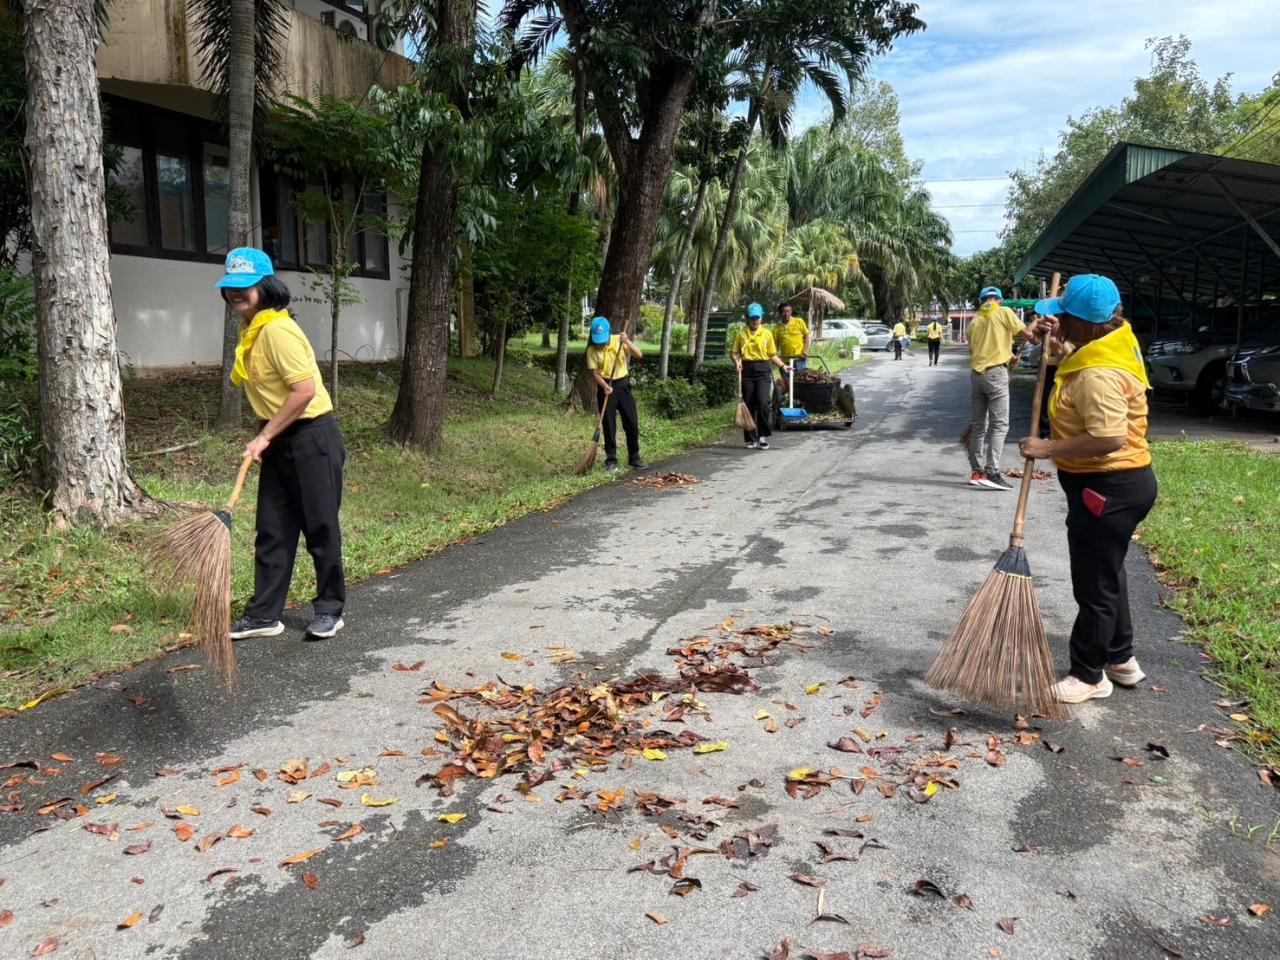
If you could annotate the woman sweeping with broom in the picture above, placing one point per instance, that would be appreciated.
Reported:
(753, 352)
(1098, 441)
(298, 445)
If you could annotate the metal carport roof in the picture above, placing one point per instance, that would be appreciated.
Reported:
(1189, 230)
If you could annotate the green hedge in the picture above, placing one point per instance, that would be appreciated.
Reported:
(675, 398)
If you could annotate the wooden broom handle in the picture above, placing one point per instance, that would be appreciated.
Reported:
(239, 487)
(1029, 467)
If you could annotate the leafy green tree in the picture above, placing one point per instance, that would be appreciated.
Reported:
(348, 151)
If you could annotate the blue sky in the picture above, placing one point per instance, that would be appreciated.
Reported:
(989, 84)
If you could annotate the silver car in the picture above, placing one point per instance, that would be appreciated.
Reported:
(1253, 378)
(842, 329)
(1195, 363)
(879, 337)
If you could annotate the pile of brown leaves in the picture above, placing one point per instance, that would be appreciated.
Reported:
(664, 481)
(584, 724)
(1016, 473)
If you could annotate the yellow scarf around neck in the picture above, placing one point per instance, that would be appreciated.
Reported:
(248, 337)
(1118, 350)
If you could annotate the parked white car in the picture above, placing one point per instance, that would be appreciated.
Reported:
(879, 337)
(842, 329)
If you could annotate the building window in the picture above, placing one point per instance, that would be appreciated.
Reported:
(129, 176)
(217, 196)
(375, 257)
(175, 187)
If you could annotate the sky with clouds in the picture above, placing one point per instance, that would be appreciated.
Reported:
(990, 83)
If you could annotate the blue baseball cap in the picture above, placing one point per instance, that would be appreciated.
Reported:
(990, 292)
(755, 310)
(245, 267)
(1089, 296)
(600, 331)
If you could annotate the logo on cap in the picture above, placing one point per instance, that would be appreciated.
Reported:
(240, 265)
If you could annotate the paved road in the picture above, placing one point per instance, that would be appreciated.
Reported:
(866, 534)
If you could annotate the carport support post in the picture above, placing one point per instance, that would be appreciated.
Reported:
(1244, 284)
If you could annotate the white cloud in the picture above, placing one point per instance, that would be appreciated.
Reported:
(988, 85)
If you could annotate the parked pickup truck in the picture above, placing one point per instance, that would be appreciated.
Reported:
(1253, 378)
(1195, 363)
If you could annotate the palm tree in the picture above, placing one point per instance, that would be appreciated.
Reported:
(241, 43)
(821, 255)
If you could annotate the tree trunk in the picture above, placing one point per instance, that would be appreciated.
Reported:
(682, 264)
(335, 311)
(575, 203)
(418, 417)
(81, 403)
(546, 337)
(467, 303)
(499, 356)
(240, 141)
(726, 222)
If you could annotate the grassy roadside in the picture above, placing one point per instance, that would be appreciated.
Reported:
(76, 604)
(1215, 537)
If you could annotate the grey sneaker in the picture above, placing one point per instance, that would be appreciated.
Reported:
(639, 463)
(324, 625)
(247, 627)
(611, 466)
(995, 481)
(1127, 674)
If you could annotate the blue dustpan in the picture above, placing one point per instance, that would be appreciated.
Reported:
(791, 411)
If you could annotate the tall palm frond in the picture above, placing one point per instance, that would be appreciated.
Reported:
(212, 22)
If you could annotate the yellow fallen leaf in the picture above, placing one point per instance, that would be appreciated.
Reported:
(763, 715)
(299, 795)
(109, 798)
(656, 696)
(1240, 717)
(653, 753)
(813, 688)
(635, 844)
(451, 818)
(47, 695)
(508, 655)
(441, 736)
(189, 811)
(368, 801)
(300, 857)
(437, 844)
(799, 773)
(711, 747)
(862, 735)
(126, 924)
(931, 789)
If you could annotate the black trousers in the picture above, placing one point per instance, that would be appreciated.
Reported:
(935, 349)
(757, 394)
(299, 492)
(897, 348)
(621, 401)
(1103, 510)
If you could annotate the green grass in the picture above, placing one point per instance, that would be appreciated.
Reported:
(61, 592)
(1215, 536)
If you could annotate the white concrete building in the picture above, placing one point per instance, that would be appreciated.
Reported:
(174, 168)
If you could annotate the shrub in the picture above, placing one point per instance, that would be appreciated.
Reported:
(679, 338)
(523, 356)
(675, 398)
(719, 378)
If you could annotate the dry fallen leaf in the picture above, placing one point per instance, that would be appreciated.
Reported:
(188, 811)
(239, 833)
(807, 880)
(653, 753)
(63, 758)
(231, 777)
(300, 857)
(297, 796)
(207, 841)
(1216, 921)
(1006, 924)
(369, 801)
(184, 831)
(451, 817)
(1259, 909)
(6, 918)
(354, 941)
(129, 922)
(137, 849)
(437, 844)
(46, 947)
(263, 811)
(311, 880)
(711, 747)
(354, 831)
(657, 918)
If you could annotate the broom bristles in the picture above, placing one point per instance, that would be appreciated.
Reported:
(196, 553)
(743, 417)
(998, 655)
(588, 459)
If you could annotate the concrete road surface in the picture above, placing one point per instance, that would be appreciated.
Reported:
(868, 538)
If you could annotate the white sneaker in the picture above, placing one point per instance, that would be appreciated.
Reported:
(1127, 674)
(751, 444)
(764, 444)
(1074, 690)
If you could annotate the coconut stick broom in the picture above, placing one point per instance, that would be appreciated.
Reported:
(998, 653)
(196, 553)
(593, 446)
(743, 417)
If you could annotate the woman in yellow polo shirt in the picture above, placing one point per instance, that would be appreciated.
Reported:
(298, 445)
(899, 339)
(753, 353)
(1098, 440)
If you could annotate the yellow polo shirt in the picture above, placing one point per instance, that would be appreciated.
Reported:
(610, 359)
(754, 346)
(935, 331)
(1103, 402)
(281, 357)
(991, 336)
(899, 331)
(790, 337)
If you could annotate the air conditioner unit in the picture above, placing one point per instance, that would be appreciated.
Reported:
(328, 18)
